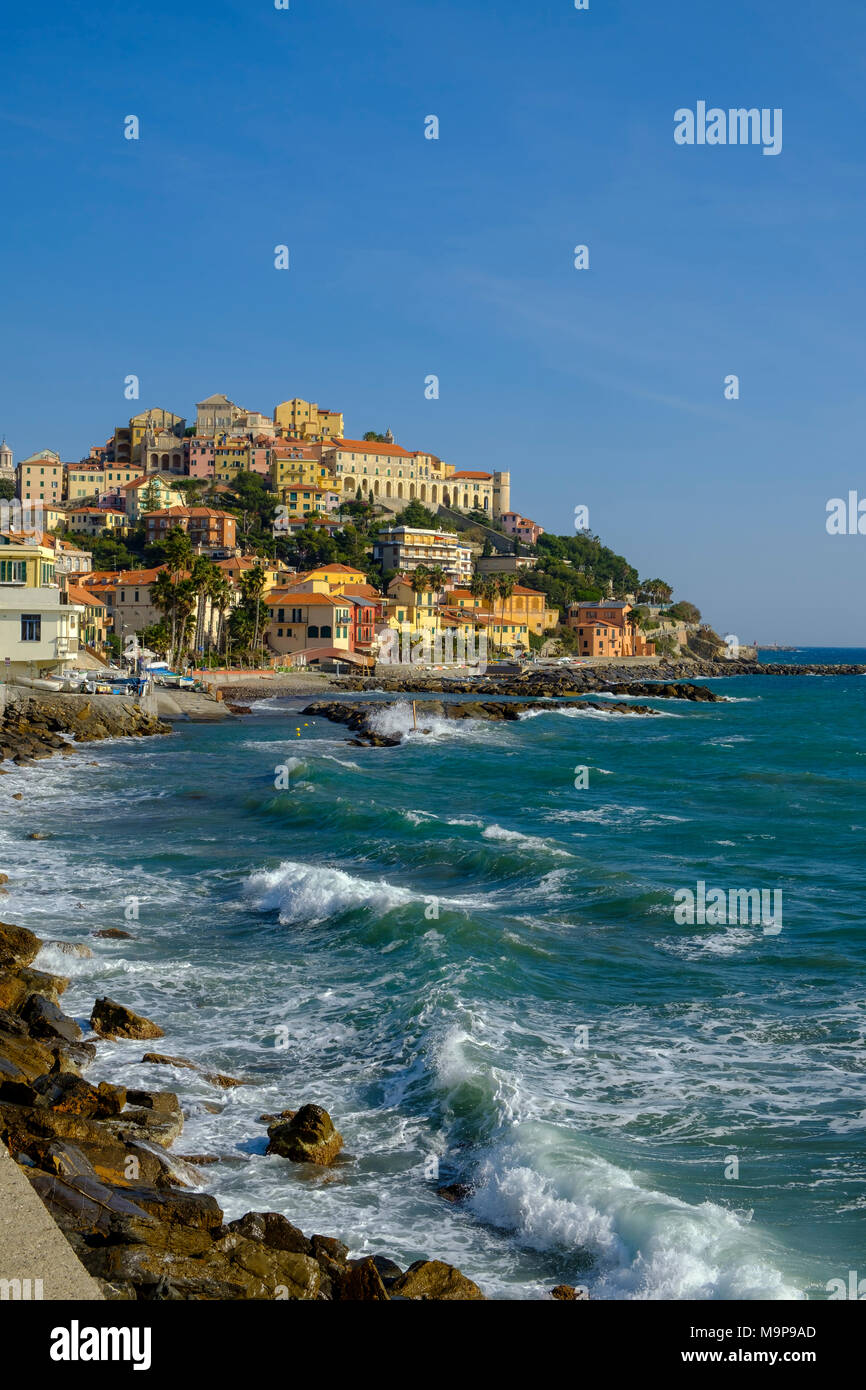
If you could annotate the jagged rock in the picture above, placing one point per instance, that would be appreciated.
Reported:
(112, 1020)
(21, 1057)
(428, 1280)
(309, 1137)
(71, 948)
(40, 982)
(361, 1283)
(114, 934)
(75, 1057)
(567, 1293)
(18, 946)
(276, 1119)
(13, 991)
(159, 1124)
(66, 1092)
(45, 1020)
(273, 1230)
(31, 1131)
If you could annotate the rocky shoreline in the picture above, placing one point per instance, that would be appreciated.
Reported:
(37, 728)
(98, 1157)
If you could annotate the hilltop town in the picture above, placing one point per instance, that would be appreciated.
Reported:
(278, 542)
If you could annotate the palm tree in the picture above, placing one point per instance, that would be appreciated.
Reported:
(200, 577)
(505, 587)
(436, 580)
(221, 595)
(491, 589)
(163, 596)
(252, 588)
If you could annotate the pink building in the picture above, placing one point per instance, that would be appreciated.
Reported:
(201, 457)
(513, 524)
(260, 459)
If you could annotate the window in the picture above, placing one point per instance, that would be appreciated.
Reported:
(325, 630)
(312, 632)
(13, 571)
(31, 627)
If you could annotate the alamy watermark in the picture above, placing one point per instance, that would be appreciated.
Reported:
(736, 126)
(717, 907)
(22, 518)
(846, 517)
(408, 647)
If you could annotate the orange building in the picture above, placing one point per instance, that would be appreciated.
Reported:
(603, 629)
(207, 527)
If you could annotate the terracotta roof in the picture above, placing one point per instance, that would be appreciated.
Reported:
(96, 511)
(143, 481)
(468, 473)
(179, 510)
(329, 569)
(360, 591)
(371, 446)
(79, 595)
(281, 597)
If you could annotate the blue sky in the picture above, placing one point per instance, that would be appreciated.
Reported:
(455, 257)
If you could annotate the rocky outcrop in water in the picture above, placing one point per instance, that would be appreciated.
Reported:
(98, 1156)
(33, 729)
(360, 717)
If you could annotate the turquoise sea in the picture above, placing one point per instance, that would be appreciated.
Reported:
(473, 964)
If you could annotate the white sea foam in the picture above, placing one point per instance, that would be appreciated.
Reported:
(629, 1240)
(315, 892)
(396, 721)
(519, 840)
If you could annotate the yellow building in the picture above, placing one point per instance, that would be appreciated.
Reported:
(92, 521)
(231, 457)
(298, 419)
(524, 606)
(39, 624)
(235, 568)
(311, 623)
(302, 499)
(329, 579)
(297, 467)
(419, 611)
(93, 624)
(119, 475)
(22, 563)
(84, 480)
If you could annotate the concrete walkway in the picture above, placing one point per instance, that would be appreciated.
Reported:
(32, 1247)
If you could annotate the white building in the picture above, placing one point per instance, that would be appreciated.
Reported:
(404, 548)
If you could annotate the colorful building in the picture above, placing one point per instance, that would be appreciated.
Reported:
(92, 521)
(41, 478)
(299, 419)
(603, 629)
(207, 527)
(310, 625)
(513, 524)
(39, 625)
(150, 492)
(404, 548)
